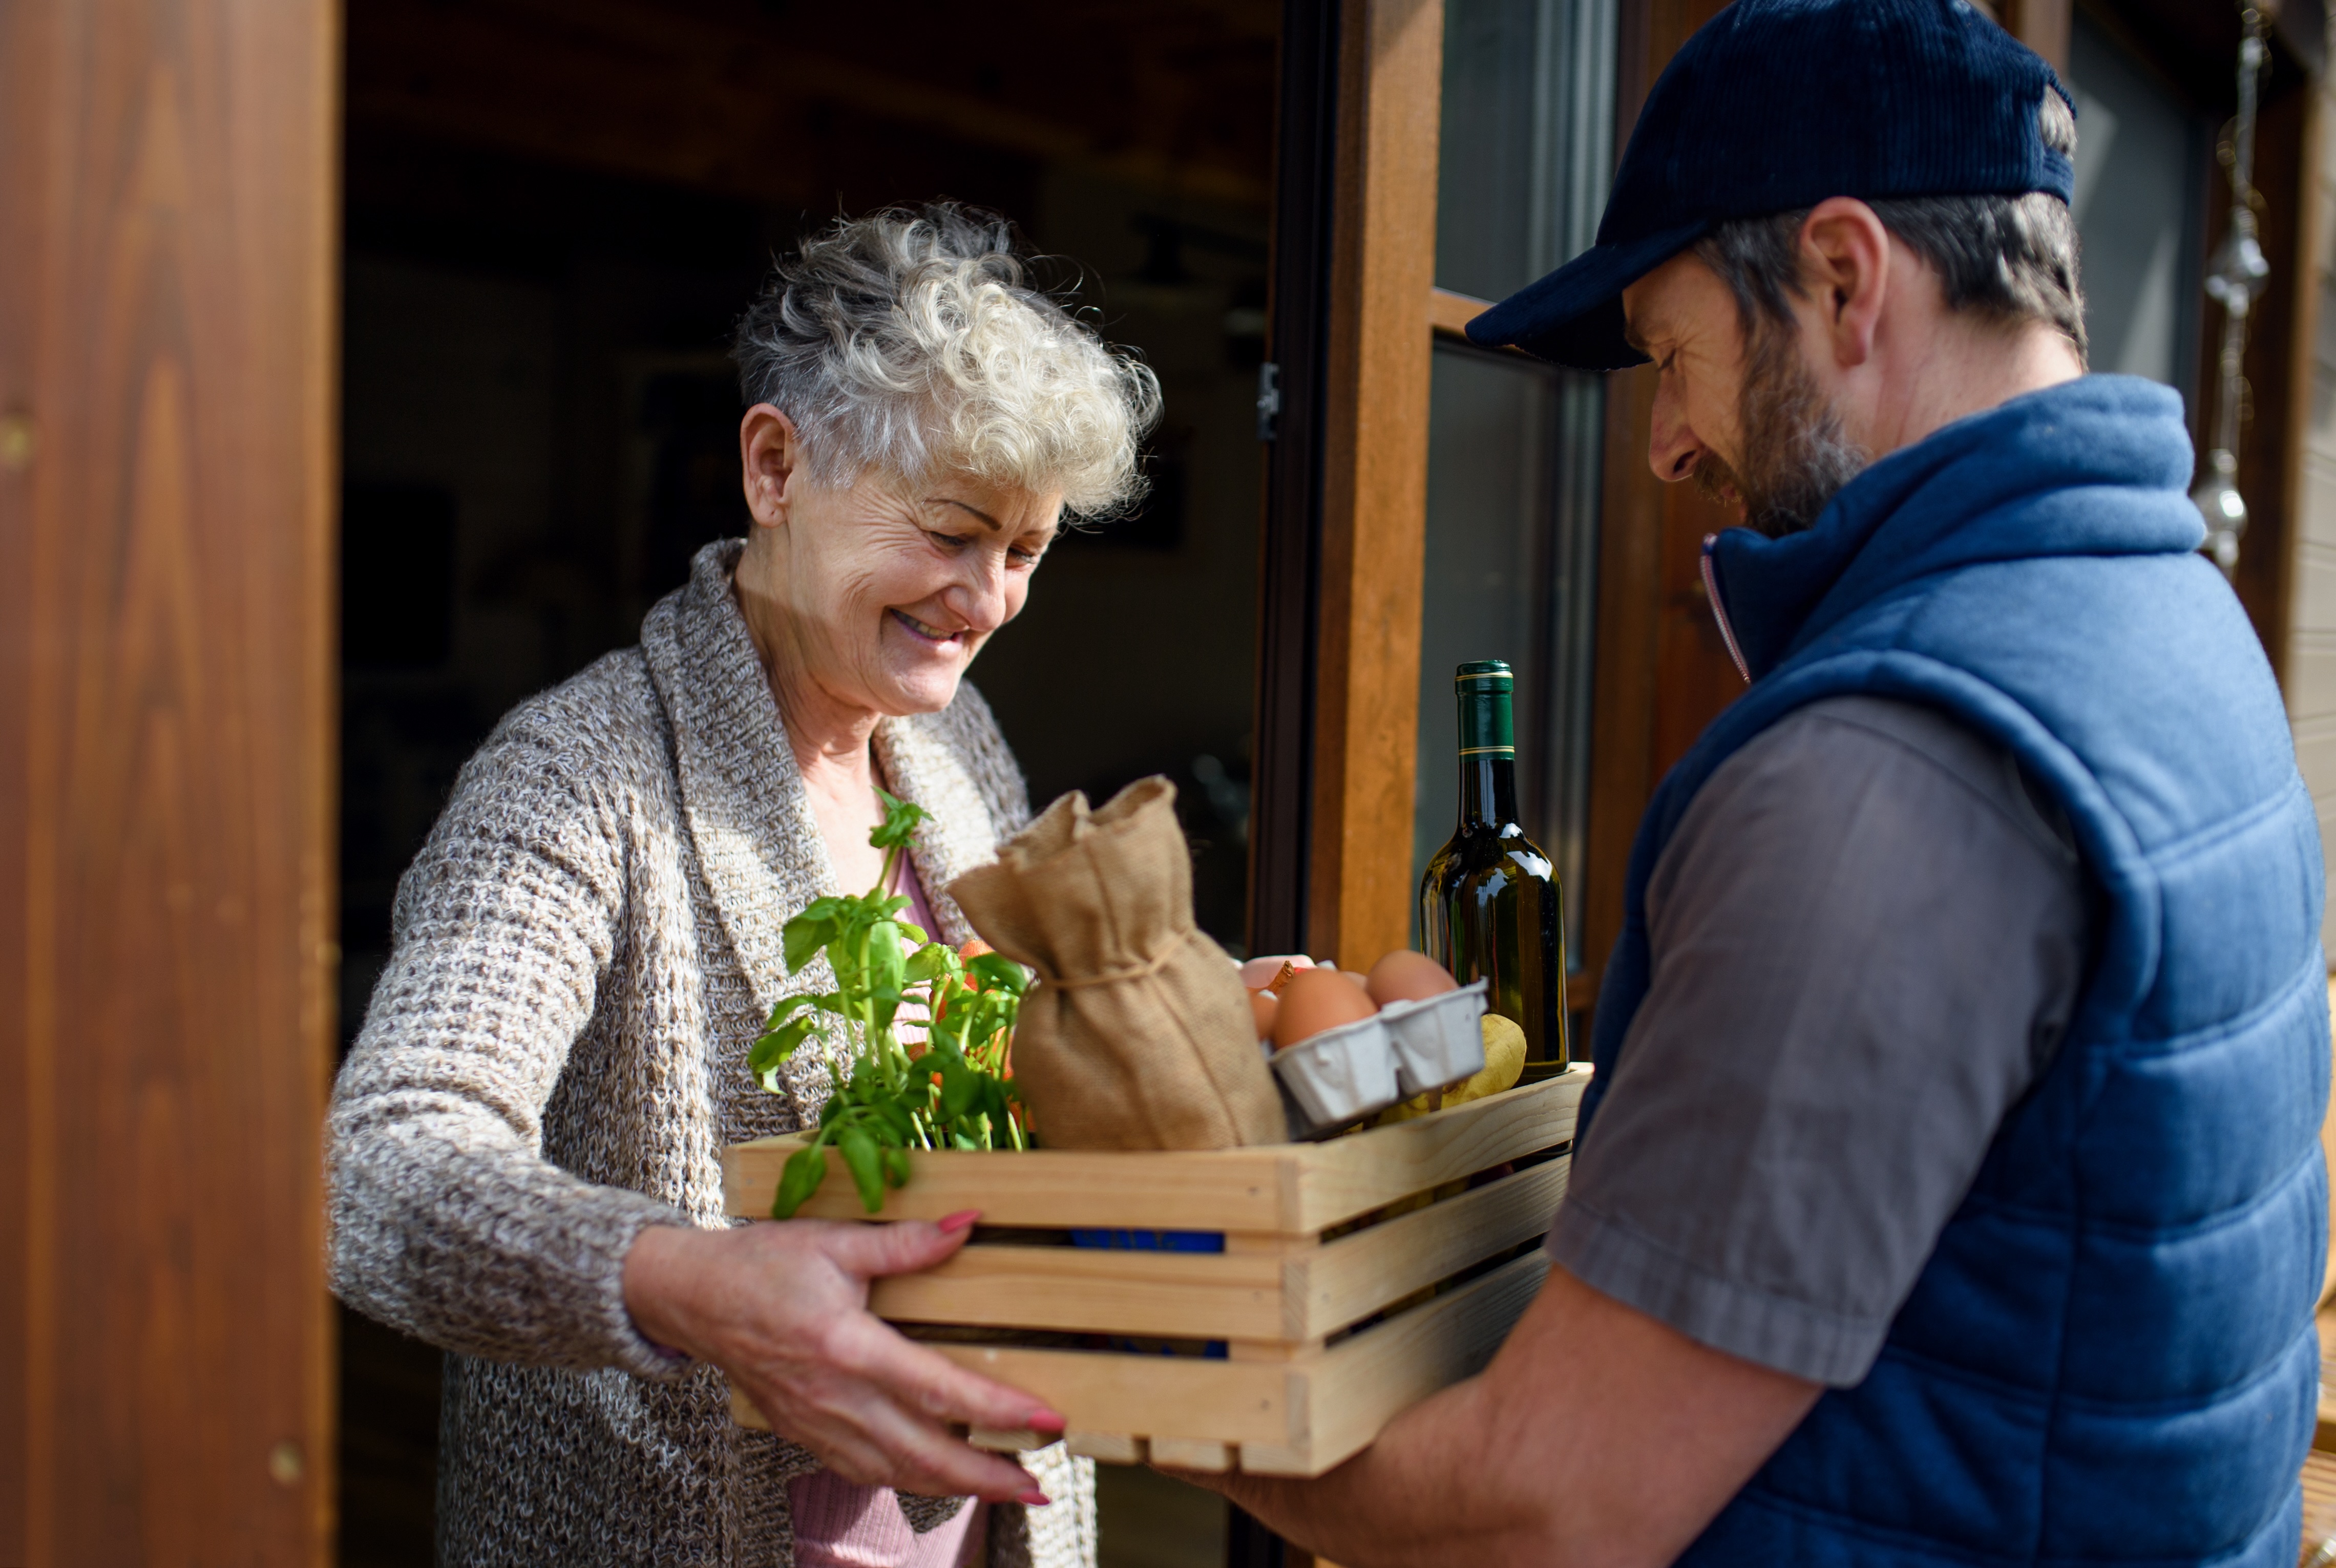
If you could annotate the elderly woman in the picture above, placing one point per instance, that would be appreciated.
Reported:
(526, 1140)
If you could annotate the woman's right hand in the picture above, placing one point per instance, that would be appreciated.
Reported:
(781, 1307)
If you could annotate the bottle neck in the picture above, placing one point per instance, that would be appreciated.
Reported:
(1488, 792)
(1488, 764)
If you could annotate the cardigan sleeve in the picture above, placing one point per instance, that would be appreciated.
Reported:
(447, 1221)
(973, 729)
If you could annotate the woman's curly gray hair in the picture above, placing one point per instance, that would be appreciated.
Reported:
(910, 342)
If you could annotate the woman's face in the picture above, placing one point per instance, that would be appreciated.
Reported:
(878, 595)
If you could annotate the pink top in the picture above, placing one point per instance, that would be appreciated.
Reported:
(920, 911)
(840, 1524)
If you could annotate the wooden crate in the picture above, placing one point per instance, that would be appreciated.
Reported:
(1299, 1386)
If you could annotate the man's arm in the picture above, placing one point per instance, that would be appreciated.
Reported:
(1597, 1435)
(1865, 940)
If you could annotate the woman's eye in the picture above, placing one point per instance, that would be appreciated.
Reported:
(1024, 558)
(947, 541)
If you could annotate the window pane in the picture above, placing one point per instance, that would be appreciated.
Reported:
(1513, 446)
(1510, 573)
(1528, 139)
(2140, 169)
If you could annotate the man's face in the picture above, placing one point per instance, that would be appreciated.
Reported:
(1748, 421)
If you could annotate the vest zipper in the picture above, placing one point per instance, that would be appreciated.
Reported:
(1719, 609)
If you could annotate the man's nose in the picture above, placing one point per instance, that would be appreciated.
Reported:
(1672, 446)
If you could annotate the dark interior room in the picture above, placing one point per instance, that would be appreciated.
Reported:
(554, 215)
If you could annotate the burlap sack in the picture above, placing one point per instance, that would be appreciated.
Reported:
(1138, 1034)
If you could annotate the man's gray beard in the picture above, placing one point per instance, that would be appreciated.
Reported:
(1795, 458)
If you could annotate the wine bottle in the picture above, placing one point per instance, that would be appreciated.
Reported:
(1489, 905)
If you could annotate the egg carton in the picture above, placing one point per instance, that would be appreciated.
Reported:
(1334, 1079)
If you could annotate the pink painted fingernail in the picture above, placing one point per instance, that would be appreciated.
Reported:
(1031, 1497)
(962, 1220)
(1044, 1421)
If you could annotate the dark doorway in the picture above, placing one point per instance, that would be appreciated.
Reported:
(554, 214)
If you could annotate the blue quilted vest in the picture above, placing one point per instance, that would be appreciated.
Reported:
(2109, 1356)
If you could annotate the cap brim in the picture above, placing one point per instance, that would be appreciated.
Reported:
(1573, 316)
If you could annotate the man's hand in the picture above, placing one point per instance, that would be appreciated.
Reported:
(782, 1309)
(1597, 1435)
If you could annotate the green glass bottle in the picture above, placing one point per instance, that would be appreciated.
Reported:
(1489, 905)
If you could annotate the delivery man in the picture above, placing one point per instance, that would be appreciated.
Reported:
(1949, 1191)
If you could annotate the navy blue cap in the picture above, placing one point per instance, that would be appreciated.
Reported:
(1774, 105)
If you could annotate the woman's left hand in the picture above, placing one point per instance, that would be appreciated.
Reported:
(781, 1307)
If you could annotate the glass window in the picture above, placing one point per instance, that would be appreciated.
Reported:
(2141, 174)
(1513, 446)
(1528, 139)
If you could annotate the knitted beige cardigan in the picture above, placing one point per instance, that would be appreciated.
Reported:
(556, 1057)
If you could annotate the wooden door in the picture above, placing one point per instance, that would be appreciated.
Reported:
(166, 421)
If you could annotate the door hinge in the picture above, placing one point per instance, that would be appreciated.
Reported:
(1269, 399)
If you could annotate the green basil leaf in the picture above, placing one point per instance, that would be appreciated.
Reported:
(928, 962)
(861, 1158)
(805, 1169)
(960, 1088)
(895, 1119)
(896, 1166)
(902, 819)
(804, 935)
(771, 1050)
(997, 971)
(786, 1006)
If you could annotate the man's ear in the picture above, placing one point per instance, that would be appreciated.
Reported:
(1846, 262)
(771, 456)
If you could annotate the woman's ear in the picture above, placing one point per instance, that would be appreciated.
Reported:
(771, 456)
(1845, 258)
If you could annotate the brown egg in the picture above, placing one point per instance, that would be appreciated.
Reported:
(1262, 1006)
(1404, 976)
(1315, 1000)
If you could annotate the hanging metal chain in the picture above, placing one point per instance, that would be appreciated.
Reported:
(2234, 280)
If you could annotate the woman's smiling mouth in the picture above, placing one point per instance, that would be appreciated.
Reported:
(929, 633)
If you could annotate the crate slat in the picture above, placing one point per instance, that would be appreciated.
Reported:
(1283, 1418)
(1297, 1292)
(1367, 1381)
(1288, 1189)
(1177, 1295)
(1353, 1276)
(1365, 1171)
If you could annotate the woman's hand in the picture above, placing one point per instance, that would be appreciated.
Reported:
(782, 1309)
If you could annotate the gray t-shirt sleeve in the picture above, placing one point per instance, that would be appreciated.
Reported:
(1865, 941)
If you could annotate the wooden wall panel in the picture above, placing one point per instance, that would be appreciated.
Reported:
(165, 738)
(22, 107)
(1375, 479)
